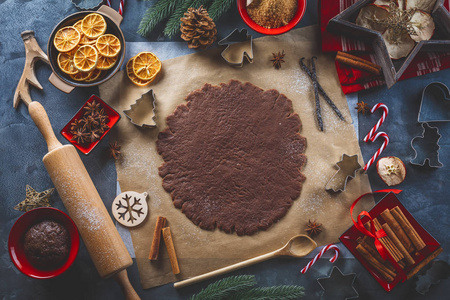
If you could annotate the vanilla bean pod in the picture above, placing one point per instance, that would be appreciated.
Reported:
(316, 94)
(322, 91)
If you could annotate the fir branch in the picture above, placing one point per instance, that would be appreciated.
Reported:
(282, 292)
(155, 14)
(226, 287)
(219, 7)
(173, 25)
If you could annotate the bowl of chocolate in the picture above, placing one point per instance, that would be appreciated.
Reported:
(43, 243)
(271, 17)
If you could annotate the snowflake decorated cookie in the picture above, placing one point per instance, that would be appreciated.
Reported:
(130, 208)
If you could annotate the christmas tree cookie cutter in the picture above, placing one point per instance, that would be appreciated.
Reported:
(347, 168)
(130, 208)
(426, 147)
(239, 46)
(338, 285)
(143, 112)
(435, 103)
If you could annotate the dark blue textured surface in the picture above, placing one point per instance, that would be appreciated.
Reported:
(22, 148)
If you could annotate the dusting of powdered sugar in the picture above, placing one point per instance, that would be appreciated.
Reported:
(301, 84)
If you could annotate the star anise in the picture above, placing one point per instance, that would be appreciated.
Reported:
(79, 136)
(90, 122)
(313, 228)
(76, 124)
(92, 107)
(93, 136)
(362, 107)
(114, 150)
(278, 59)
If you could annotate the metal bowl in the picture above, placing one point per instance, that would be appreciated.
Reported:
(62, 80)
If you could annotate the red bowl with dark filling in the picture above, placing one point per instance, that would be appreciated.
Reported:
(17, 236)
(242, 8)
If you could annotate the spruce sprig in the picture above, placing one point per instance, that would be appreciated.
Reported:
(155, 14)
(225, 288)
(219, 7)
(282, 292)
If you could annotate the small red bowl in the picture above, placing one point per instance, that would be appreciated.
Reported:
(242, 7)
(113, 116)
(16, 241)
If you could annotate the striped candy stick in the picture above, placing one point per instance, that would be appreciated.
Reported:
(380, 121)
(108, 3)
(383, 146)
(121, 6)
(319, 255)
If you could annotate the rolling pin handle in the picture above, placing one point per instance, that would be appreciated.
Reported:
(40, 118)
(127, 289)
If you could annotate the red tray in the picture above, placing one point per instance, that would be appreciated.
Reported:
(348, 238)
(113, 116)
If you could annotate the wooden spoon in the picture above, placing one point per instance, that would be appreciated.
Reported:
(298, 246)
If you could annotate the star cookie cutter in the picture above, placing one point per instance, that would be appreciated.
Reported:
(239, 46)
(426, 147)
(130, 208)
(435, 103)
(143, 112)
(347, 168)
(338, 285)
(87, 4)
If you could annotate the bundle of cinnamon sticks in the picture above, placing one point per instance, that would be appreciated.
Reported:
(402, 242)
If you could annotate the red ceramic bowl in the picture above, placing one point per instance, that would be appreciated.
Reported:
(16, 240)
(113, 116)
(242, 7)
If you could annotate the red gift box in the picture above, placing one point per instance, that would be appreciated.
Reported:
(421, 258)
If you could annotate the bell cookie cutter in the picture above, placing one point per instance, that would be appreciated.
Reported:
(239, 46)
(426, 147)
(143, 112)
(435, 103)
(347, 168)
(338, 285)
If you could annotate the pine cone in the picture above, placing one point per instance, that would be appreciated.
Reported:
(197, 28)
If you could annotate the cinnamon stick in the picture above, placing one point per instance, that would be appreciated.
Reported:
(358, 62)
(370, 247)
(408, 228)
(408, 259)
(397, 229)
(167, 236)
(387, 243)
(154, 249)
(379, 267)
(423, 263)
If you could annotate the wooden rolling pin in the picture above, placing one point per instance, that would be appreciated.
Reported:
(85, 207)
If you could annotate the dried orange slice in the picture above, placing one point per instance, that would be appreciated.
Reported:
(106, 63)
(108, 45)
(93, 25)
(81, 76)
(66, 39)
(65, 62)
(146, 65)
(95, 74)
(85, 58)
(84, 40)
(133, 77)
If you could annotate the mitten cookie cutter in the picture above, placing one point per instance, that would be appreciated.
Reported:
(347, 168)
(435, 103)
(239, 46)
(427, 147)
(143, 112)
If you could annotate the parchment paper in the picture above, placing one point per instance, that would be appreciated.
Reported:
(201, 251)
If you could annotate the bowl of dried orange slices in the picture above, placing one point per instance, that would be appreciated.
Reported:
(86, 49)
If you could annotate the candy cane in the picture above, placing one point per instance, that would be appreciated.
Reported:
(383, 146)
(324, 249)
(121, 5)
(380, 121)
(108, 3)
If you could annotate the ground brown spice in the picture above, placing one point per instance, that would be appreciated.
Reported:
(272, 13)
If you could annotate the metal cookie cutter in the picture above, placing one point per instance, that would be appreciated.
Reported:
(143, 112)
(435, 103)
(239, 46)
(87, 4)
(338, 285)
(347, 168)
(426, 147)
